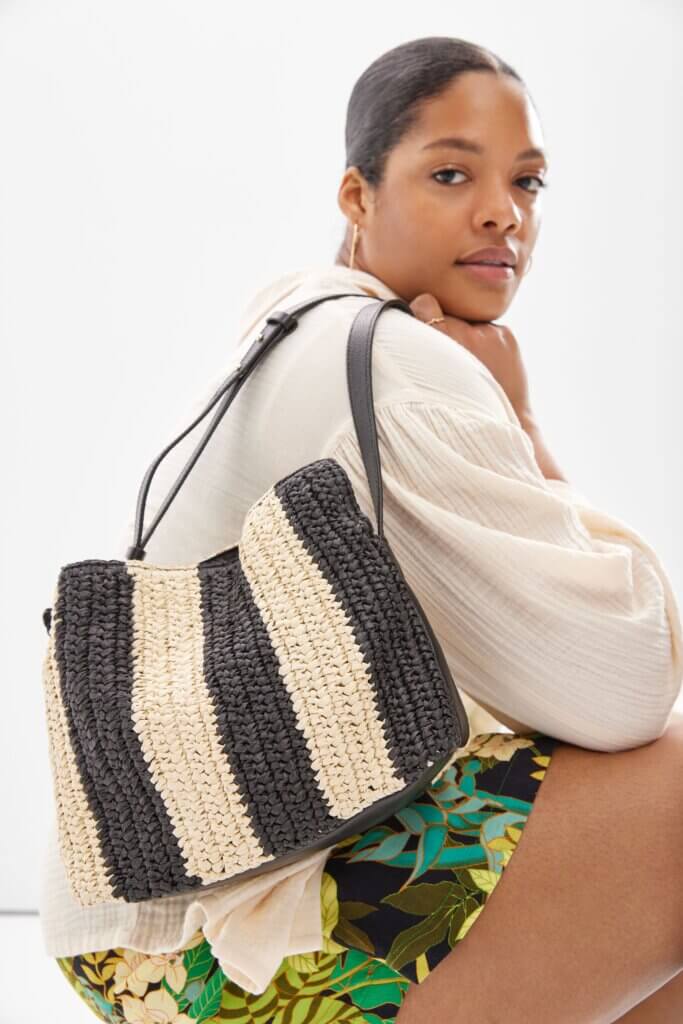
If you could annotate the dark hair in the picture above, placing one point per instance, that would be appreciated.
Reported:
(385, 101)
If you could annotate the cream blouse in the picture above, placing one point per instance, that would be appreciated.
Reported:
(552, 613)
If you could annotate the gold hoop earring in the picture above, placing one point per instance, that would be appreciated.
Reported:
(354, 243)
(528, 267)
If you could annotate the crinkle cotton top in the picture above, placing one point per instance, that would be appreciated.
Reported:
(552, 614)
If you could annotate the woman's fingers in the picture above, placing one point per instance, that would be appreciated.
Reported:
(426, 306)
(494, 345)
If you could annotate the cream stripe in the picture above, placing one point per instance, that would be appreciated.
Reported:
(79, 842)
(320, 662)
(173, 715)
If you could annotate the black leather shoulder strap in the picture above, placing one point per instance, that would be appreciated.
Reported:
(359, 377)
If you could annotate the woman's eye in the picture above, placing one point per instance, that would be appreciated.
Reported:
(447, 170)
(534, 177)
(527, 177)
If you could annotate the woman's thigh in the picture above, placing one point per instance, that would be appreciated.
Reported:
(588, 917)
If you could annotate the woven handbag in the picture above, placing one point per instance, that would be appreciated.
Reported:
(218, 720)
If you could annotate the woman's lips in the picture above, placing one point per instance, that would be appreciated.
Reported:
(488, 272)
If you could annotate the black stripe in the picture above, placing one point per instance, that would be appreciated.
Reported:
(414, 701)
(256, 721)
(94, 653)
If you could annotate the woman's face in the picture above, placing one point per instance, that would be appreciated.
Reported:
(439, 202)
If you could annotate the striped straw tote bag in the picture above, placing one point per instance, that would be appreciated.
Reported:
(221, 719)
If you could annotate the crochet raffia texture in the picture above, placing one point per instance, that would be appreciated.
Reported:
(204, 720)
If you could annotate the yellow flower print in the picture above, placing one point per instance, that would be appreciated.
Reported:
(544, 762)
(468, 922)
(504, 846)
(135, 970)
(158, 1007)
(483, 879)
(126, 975)
(510, 844)
(500, 745)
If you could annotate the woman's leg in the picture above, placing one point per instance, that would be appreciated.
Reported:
(587, 919)
(665, 1006)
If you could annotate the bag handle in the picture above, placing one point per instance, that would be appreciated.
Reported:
(359, 378)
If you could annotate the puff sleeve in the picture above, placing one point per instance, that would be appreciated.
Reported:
(548, 609)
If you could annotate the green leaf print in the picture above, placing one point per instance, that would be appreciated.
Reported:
(198, 961)
(353, 909)
(289, 982)
(467, 784)
(318, 979)
(413, 821)
(374, 836)
(419, 938)
(475, 803)
(424, 898)
(189, 993)
(448, 791)
(430, 845)
(485, 880)
(351, 935)
(465, 880)
(367, 982)
(455, 902)
(321, 1009)
(457, 920)
(209, 1000)
(469, 921)
(329, 904)
(416, 817)
(460, 823)
(241, 1007)
(386, 851)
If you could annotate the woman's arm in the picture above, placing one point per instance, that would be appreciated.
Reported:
(496, 347)
(551, 471)
(550, 611)
(546, 463)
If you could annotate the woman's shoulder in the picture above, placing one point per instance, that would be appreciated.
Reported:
(412, 361)
(291, 287)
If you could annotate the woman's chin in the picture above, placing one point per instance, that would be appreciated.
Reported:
(475, 311)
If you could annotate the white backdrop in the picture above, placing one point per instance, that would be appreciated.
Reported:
(161, 160)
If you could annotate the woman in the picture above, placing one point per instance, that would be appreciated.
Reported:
(550, 612)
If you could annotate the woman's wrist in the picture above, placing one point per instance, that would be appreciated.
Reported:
(546, 463)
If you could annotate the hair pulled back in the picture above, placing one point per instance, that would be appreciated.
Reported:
(385, 101)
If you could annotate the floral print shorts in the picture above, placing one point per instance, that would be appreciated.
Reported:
(395, 900)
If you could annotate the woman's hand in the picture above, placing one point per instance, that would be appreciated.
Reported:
(492, 344)
(496, 347)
